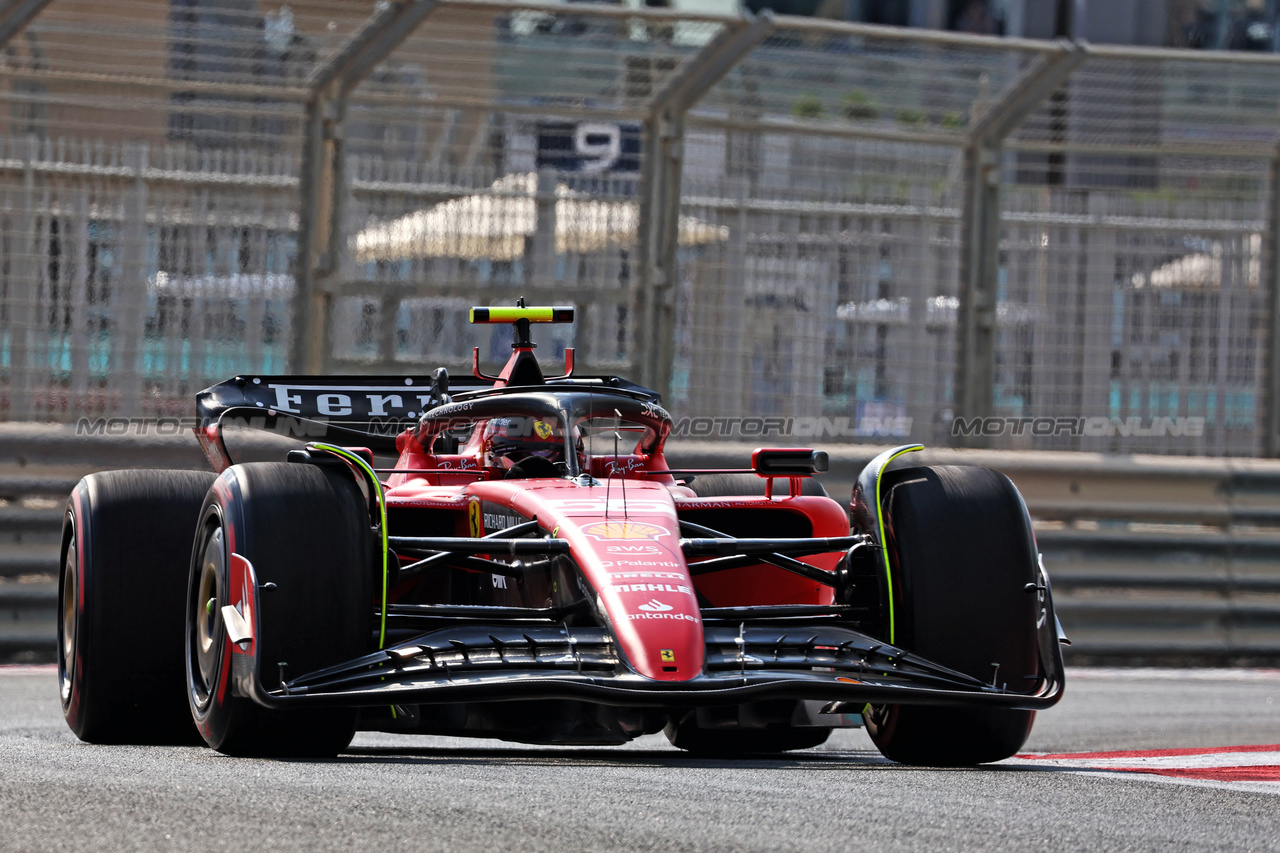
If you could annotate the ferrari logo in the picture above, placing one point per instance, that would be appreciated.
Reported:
(542, 429)
(477, 520)
(668, 655)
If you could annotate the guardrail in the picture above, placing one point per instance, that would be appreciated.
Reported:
(1152, 558)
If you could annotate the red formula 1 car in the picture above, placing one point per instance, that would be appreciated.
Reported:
(531, 568)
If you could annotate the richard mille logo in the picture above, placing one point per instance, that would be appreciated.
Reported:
(656, 606)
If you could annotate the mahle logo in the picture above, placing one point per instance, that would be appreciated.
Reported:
(607, 531)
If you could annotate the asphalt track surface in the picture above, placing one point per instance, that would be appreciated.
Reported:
(415, 793)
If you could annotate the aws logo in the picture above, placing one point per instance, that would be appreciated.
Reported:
(635, 550)
(609, 531)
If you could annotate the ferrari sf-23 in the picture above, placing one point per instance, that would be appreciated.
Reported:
(530, 567)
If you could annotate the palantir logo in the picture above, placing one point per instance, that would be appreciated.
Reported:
(656, 606)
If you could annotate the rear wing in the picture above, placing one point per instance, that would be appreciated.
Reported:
(369, 411)
(364, 411)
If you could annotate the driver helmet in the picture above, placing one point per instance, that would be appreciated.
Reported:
(508, 441)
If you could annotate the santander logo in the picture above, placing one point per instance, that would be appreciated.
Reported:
(656, 606)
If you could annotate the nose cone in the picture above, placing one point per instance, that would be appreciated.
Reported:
(645, 590)
(631, 557)
(655, 618)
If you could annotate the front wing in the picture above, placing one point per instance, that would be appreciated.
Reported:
(746, 662)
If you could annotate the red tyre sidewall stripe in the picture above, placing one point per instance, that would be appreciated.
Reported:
(225, 503)
(81, 544)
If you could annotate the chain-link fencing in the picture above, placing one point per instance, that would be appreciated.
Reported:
(798, 230)
(148, 199)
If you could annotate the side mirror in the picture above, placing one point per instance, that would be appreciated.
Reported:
(440, 381)
(788, 461)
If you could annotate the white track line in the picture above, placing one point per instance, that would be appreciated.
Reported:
(28, 669)
(1244, 768)
(1116, 673)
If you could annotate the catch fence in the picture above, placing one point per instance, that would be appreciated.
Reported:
(873, 234)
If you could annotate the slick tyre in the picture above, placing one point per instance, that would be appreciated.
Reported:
(126, 545)
(306, 532)
(961, 553)
(748, 485)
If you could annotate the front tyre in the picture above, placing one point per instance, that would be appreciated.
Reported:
(962, 554)
(306, 530)
(125, 548)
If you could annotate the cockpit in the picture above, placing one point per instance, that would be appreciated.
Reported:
(513, 433)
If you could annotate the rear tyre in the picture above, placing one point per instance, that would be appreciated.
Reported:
(126, 544)
(305, 529)
(962, 553)
(748, 485)
(685, 733)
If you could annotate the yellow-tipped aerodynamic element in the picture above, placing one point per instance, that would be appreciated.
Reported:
(533, 315)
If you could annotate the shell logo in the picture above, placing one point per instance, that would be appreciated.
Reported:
(612, 530)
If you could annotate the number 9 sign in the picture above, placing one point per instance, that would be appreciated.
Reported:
(599, 145)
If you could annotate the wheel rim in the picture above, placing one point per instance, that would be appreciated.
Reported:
(205, 619)
(67, 622)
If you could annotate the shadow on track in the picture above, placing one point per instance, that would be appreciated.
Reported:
(845, 760)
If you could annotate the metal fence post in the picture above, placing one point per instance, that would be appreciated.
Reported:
(129, 312)
(16, 14)
(323, 185)
(660, 181)
(80, 300)
(315, 216)
(976, 317)
(659, 212)
(543, 241)
(23, 293)
(1271, 366)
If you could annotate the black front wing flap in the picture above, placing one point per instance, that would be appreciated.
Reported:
(747, 662)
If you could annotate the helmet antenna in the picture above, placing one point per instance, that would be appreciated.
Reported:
(617, 427)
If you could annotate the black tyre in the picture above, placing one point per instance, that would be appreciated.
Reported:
(305, 529)
(962, 553)
(748, 485)
(685, 733)
(126, 545)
